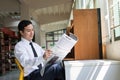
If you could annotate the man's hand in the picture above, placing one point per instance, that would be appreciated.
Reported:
(47, 54)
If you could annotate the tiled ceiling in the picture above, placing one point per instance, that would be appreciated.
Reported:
(43, 11)
(9, 8)
(47, 12)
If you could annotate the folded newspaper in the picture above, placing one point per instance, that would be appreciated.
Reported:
(61, 49)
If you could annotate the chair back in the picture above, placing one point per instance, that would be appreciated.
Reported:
(21, 75)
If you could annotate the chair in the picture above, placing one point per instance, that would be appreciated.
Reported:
(21, 75)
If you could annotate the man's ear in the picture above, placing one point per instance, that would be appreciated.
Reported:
(21, 32)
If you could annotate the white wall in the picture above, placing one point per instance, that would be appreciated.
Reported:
(42, 39)
(37, 32)
(112, 48)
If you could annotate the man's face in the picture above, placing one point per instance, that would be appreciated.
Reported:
(28, 32)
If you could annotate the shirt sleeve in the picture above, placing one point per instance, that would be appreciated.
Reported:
(22, 54)
(25, 59)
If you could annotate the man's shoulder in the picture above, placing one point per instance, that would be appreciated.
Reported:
(20, 43)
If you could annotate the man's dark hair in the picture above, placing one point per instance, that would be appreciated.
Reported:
(21, 27)
(23, 24)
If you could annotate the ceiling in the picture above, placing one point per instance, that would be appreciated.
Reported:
(44, 12)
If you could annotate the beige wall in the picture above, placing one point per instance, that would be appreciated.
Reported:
(113, 50)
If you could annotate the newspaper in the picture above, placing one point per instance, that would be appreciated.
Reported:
(61, 49)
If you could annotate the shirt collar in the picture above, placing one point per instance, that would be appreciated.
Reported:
(25, 40)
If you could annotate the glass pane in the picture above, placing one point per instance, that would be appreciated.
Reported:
(53, 37)
(116, 15)
(117, 32)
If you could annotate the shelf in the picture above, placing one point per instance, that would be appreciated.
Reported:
(6, 51)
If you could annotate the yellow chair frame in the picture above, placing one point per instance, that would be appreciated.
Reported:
(21, 75)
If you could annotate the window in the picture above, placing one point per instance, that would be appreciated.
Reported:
(115, 18)
(53, 37)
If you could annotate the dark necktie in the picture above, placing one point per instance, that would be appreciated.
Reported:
(35, 55)
(33, 49)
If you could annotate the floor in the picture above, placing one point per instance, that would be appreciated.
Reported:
(11, 75)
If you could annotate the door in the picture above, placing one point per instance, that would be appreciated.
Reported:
(87, 27)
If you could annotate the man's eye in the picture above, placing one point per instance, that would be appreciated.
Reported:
(28, 30)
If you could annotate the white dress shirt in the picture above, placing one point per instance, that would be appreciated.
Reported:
(23, 52)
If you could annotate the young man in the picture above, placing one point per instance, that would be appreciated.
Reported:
(32, 56)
